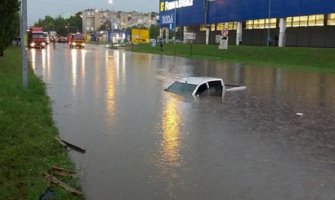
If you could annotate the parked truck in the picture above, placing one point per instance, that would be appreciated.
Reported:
(36, 37)
(53, 36)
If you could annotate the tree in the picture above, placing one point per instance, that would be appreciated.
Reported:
(105, 26)
(154, 31)
(48, 23)
(9, 22)
(61, 25)
(75, 22)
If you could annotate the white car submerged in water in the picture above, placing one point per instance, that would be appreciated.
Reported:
(202, 86)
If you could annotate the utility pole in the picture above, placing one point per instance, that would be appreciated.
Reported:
(175, 28)
(112, 20)
(206, 11)
(269, 10)
(23, 30)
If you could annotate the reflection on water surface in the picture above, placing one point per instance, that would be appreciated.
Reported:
(144, 143)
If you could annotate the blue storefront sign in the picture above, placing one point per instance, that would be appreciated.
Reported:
(169, 20)
(93, 37)
(194, 12)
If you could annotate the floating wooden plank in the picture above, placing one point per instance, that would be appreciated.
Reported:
(72, 146)
(56, 181)
(61, 171)
(60, 141)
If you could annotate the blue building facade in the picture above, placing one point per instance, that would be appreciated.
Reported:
(298, 14)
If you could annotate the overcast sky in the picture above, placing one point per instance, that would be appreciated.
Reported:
(40, 8)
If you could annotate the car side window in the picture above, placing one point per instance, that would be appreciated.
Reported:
(201, 89)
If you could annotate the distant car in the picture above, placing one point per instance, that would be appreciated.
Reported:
(62, 40)
(59, 40)
(202, 86)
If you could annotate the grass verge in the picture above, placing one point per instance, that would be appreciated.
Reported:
(307, 59)
(27, 131)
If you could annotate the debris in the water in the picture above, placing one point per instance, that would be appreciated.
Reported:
(61, 171)
(300, 114)
(52, 179)
(68, 144)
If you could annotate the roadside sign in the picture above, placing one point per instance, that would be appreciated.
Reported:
(224, 32)
(223, 42)
(189, 36)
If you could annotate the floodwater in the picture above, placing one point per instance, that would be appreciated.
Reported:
(274, 140)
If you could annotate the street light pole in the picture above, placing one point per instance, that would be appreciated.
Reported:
(269, 11)
(206, 11)
(175, 20)
(112, 20)
(206, 28)
(68, 28)
(23, 30)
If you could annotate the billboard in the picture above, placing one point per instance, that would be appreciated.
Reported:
(139, 35)
(195, 12)
(180, 12)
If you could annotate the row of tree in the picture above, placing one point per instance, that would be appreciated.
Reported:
(61, 25)
(9, 22)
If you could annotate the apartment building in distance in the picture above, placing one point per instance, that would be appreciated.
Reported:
(93, 19)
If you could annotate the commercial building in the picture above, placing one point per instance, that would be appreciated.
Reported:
(259, 22)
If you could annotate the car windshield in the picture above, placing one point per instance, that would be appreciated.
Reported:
(181, 88)
(78, 37)
(37, 35)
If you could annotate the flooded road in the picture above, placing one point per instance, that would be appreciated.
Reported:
(275, 140)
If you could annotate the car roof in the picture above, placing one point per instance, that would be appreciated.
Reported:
(198, 80)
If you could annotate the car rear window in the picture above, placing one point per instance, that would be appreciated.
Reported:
(37, 35)
(78, 37)
(214, 89)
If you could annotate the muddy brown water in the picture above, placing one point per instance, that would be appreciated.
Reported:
(274, 140)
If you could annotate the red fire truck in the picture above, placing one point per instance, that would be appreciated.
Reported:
(36, 37)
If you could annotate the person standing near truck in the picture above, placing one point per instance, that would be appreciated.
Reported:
(160, 41)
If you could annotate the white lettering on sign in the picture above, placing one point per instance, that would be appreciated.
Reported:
(167, 19)
(189, 36)
(177, 4)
